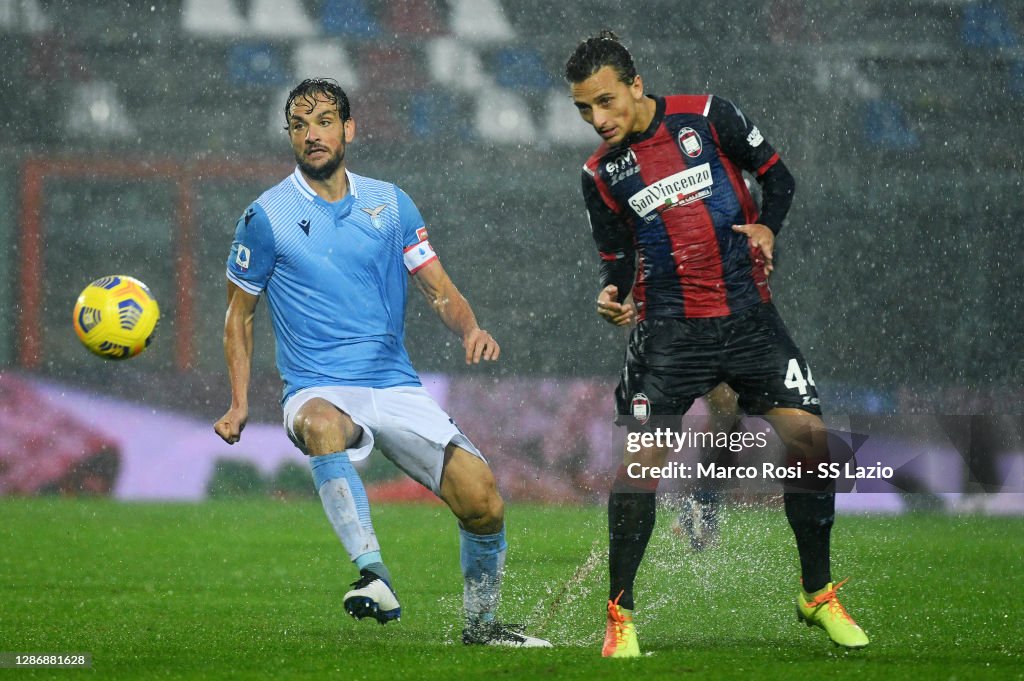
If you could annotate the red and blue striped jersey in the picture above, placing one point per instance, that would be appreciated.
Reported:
(662, 205)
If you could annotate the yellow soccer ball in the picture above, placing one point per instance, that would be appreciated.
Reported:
(115, 317)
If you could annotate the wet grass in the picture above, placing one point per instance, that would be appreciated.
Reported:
(252, 589)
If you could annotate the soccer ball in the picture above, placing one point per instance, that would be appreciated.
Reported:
(115, 317)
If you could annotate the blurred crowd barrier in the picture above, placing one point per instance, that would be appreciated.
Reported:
(548, 441)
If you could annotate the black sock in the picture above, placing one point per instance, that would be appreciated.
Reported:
(630, 523)
(811, 516)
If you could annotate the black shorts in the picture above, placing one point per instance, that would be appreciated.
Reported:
(672, 362)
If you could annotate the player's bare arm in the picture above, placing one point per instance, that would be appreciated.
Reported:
(238, 346)
(611, 310)
(760, 237)
(454, 310)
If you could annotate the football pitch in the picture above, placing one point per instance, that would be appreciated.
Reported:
(252, 589)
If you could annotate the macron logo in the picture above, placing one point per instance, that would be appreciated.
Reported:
(304, 224)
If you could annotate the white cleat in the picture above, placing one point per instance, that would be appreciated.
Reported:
(372, 597)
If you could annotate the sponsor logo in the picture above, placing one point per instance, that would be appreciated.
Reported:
(421, 234)
(250, 213)
(689, 142)
(622, 166)
(374, 214)
(640, 408)
(305, 225)
(621, 162)
(242, 258)
(754, 139)
(680, 189)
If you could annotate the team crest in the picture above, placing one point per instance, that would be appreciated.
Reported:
(374, 214)
(640, 408)
(689, 142)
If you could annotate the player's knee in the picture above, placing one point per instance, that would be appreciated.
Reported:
(804, 435)
(325, 429)
(483, 509)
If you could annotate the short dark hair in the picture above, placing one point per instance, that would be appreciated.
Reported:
(308, 90)
(604, 49)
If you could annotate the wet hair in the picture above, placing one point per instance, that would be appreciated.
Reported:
(308, 91)
(596, 52)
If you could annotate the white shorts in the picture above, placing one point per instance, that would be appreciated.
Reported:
(405, 422)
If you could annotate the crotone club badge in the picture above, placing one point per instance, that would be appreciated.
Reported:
(640, 408)
(689, 142)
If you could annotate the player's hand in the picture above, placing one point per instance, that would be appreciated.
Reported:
(230, 426)
(614, 312)
(480, 345)
(760, 237)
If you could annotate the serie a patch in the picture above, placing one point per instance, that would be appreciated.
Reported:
(417, 256)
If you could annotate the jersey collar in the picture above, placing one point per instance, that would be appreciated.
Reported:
(300, 183)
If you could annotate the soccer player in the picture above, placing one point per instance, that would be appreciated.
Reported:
(675, 225)
(333, 252)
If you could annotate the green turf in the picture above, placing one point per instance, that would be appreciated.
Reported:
(252, 589)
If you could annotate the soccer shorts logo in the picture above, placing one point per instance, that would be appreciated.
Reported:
(640, 408)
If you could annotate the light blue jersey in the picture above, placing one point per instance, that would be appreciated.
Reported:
(335, 277)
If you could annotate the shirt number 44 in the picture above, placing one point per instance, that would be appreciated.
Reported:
(795, 380)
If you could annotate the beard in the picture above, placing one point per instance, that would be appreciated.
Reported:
(325, 171)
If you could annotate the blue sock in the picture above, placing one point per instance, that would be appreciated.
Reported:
(347, 508)
(483, 562)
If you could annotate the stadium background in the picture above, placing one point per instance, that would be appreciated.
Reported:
(135, 133)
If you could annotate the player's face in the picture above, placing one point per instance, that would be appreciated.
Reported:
(318, 136)
(612, 107)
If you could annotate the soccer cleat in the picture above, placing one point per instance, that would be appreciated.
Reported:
(698, 522)
(495, 633)
(620, 635)
(824, 610)
(372, 597)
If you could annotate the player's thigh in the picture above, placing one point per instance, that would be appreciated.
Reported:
(468, 485)
(669, 363)
(414, 433)
(766, 368)
(723, 401)
(344, 410)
